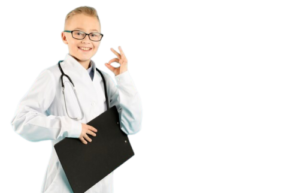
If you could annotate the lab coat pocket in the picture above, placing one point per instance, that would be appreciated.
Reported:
(72, 106)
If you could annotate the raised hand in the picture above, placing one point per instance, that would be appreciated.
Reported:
(121, 59)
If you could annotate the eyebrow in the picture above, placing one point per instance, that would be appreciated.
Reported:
(83, 29)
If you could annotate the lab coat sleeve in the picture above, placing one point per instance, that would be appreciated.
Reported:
(31, 120)
(128, 102)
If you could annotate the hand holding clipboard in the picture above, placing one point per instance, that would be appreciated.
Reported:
(87, 129)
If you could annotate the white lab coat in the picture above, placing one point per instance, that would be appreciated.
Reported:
(41, 114)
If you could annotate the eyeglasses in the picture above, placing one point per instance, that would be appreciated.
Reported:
(80, 35)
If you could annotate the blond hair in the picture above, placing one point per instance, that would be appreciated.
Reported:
(90, 11)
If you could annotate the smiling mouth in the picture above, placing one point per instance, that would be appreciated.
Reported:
(84, 49)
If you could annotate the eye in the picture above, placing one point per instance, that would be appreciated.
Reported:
(95, 34)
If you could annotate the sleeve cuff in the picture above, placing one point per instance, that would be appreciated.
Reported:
(75, 130)
(124, 77)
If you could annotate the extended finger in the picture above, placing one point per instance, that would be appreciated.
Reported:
(96, 130)
(83, 141)
(121, 50)
(87, 138)
(93, 128)
(115, 52)
(122, 53)
(91, 133)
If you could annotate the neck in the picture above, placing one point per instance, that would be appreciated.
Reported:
(86, 64)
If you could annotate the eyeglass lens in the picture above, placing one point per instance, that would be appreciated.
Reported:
(80, 35)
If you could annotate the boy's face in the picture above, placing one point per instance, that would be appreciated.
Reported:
(86, 24)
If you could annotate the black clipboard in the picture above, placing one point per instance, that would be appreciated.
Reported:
(85, 165)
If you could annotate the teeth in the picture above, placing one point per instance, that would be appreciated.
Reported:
(84, 48)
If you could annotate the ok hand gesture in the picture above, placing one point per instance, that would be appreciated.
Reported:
(121, 59)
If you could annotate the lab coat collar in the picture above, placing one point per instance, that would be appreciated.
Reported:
(70, 60)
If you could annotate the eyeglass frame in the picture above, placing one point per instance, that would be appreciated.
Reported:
(84, 35)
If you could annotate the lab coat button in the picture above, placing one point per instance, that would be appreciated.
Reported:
(125, 141)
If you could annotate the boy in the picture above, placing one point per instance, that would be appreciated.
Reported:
(42, 113)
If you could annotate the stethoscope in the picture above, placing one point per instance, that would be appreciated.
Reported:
(63, 91)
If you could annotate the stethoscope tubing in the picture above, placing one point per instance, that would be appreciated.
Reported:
(74, 89)
(63, 91)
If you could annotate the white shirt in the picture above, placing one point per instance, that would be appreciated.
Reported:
(41, 114)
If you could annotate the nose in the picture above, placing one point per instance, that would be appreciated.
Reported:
(88, 41)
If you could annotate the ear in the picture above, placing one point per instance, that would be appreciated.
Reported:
(64, 37)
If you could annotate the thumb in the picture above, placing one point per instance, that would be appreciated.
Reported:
(109, 67)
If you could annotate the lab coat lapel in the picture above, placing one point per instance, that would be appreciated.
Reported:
(94, 93)
(87, 89)
(74, 67)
